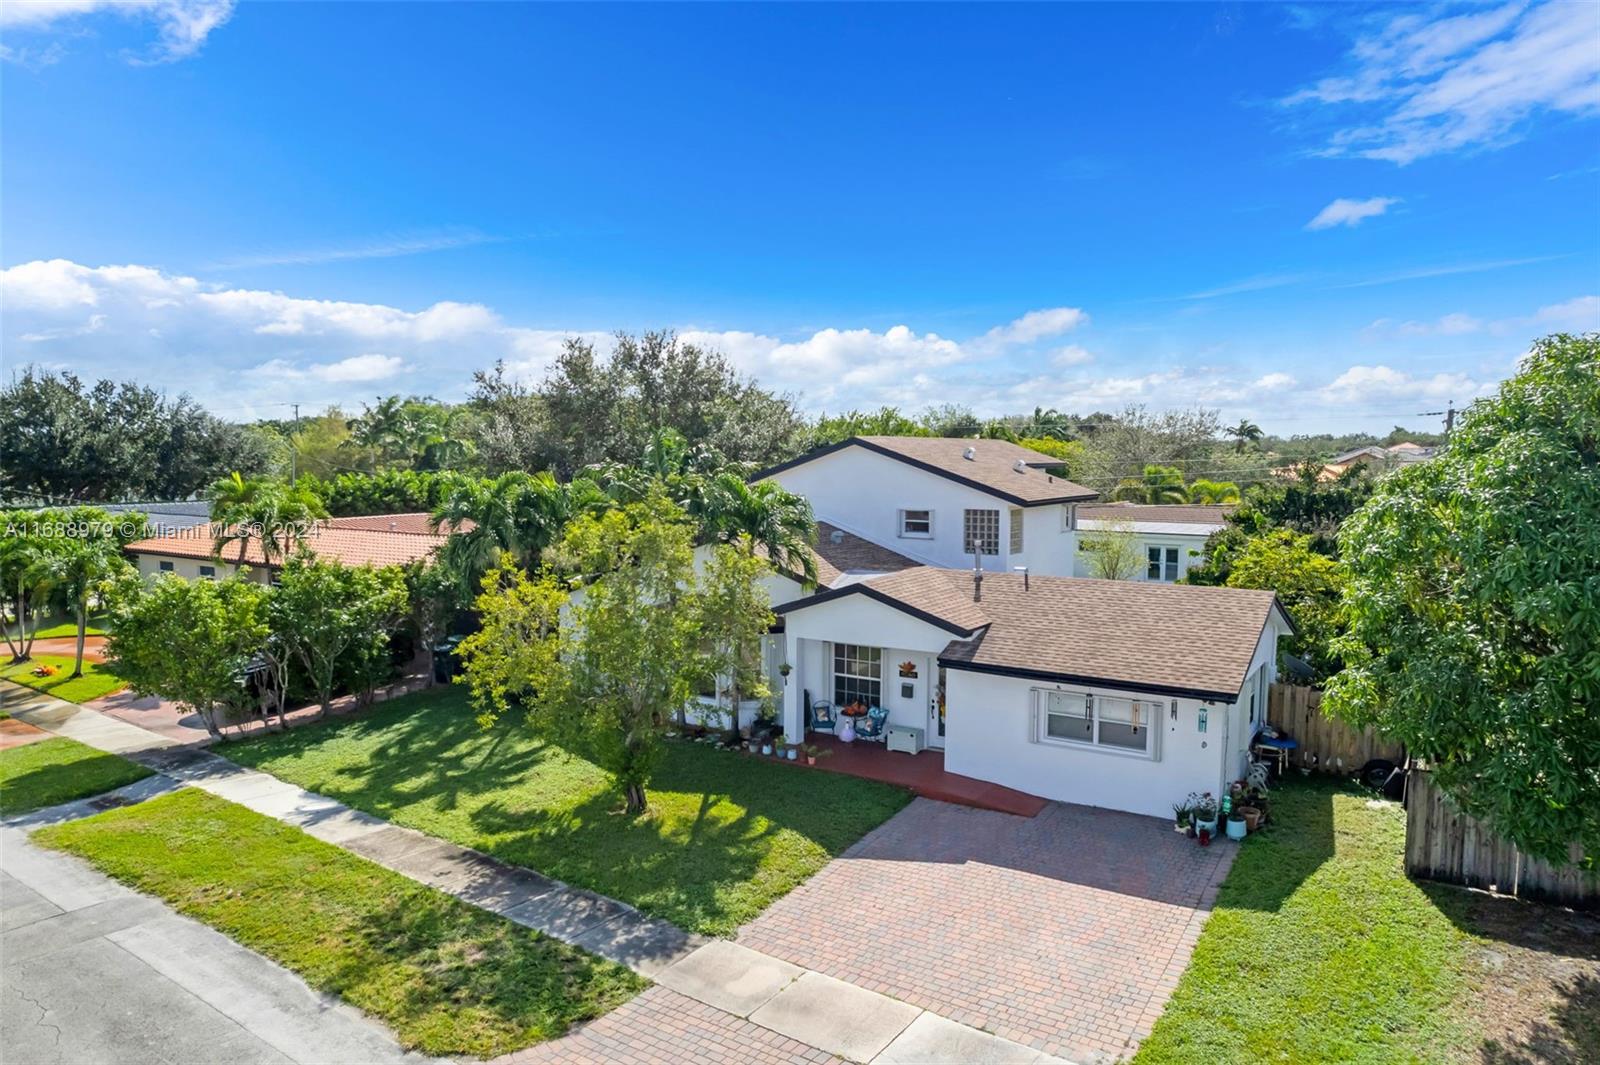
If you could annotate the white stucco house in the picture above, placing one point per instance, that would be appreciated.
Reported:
(1170, 536)
(1120, 694)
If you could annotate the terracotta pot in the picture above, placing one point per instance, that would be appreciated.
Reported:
(810, 760)
(1252, 817)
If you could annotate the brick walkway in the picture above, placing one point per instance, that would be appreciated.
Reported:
(1065, 932)
(662, 1026)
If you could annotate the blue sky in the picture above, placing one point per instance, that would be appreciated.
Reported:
(1318, 217)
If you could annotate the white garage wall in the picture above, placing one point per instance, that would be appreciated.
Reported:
(189, 568)
(989, 723)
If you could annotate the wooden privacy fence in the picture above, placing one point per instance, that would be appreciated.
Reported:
(1442, 843)
(1331, 745)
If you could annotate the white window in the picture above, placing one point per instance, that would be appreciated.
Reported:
(980, 532)
(917, 524)
(1069, 517)
(166, 567)
(208, 573)
(857, 675)
(1110, 723)
(1016, 530)
(1163, 563)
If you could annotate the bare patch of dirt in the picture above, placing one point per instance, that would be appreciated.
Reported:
(1537, 975)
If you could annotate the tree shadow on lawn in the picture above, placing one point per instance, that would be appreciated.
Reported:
(51, 785)
(1297, 841)
(451, 979)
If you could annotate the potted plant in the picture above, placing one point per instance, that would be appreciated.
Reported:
(783, 670)
(770, 741)
(1236, 823)
(1252, 817)
(1205, 817)
(1180, 815)
(792, 753)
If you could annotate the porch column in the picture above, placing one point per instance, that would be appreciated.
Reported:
(794, 718)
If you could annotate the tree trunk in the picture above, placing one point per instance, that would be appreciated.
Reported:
(636, 798)
(208, 714)
(83, 624)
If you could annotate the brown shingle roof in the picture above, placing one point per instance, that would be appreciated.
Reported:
(991, 469)
(1198, 513)
(1166, 638)
(838, 553)
(352, 547)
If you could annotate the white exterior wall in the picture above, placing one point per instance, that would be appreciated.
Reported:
(989, 720)
(857, 619)
(189, 568)
(1188, 546)
(863, 492)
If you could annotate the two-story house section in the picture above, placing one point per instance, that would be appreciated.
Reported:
(942, 500)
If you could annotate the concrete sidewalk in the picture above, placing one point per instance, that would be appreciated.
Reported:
(95, 973)
(823, 1016)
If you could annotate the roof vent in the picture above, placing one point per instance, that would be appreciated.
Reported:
(1020, 466)
(394, 526)
(971, 454)
(837, 536)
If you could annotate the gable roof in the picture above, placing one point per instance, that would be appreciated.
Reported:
(992, 468)
(1171, 639)
(351, 547)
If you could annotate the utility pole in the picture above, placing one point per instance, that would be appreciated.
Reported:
(294, 447)
(1448, 414)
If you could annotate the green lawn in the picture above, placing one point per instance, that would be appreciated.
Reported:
(59, 770)
(448, 977)
(70, 628)
(97, 679)
(725, 835)
(1320, 949)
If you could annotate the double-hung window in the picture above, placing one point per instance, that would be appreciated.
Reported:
(980, 532)
(917, 524)
(857, 674)
(1108, 722)
(1162, 563)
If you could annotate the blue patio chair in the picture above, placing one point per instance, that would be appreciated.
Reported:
(822, 716)
(872, 726)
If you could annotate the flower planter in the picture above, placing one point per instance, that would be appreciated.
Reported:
(766, 748)
(1208, 828)
(792, 754)
(1252, 817)
(811, 759)
(1236, 829)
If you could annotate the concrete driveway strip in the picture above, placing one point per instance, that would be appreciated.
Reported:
(837, 1017)
(93, 972)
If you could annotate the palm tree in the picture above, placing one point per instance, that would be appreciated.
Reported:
(491, 506)
(27, 574)
(1246, 432)
(1204, 491)
(763, 518)
(275, 515)
(82, 570)
(1160, 484)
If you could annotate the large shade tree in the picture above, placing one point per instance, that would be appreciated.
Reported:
(1473, 606)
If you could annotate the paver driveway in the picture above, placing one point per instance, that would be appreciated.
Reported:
(1066, 931)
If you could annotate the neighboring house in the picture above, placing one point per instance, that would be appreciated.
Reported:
(1118, 694)
(379, 540)
(940, 500)
(1170, 535)
(1376, 460)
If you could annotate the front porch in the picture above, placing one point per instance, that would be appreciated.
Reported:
(924, 774)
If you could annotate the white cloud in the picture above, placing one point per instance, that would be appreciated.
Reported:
(1449, 325)
(1343, 212)
(1423, 84)
(1581, 314)
(1273, 382)
(357, 368)
(1071, 355)
(1364, 384)
(385, 247)
(1249, 284)
(182, 26)
(1035, 326)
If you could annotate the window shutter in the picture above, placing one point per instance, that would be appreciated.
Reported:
(1033, 717)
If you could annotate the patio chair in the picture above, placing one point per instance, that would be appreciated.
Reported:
(821, 714)
(873, 726)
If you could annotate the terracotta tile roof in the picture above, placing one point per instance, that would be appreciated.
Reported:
(1165, 513)
(352, 547)
(409, 522)
(992, 468)
(1160, 638)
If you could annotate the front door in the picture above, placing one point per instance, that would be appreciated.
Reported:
(935, 729)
